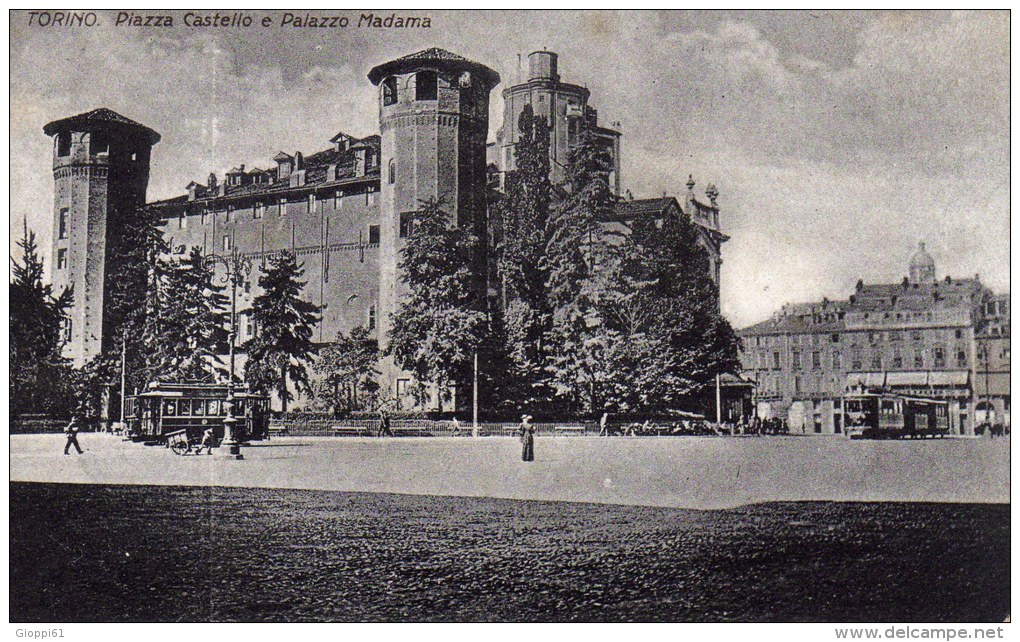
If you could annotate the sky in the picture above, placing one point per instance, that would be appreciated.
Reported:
(838, 140)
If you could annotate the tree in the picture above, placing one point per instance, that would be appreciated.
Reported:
(524, 214)
(347, 370)
(282, 346)
(184, 331)
(662, 308)
(441, 322)
(39, 375)
(579, 254)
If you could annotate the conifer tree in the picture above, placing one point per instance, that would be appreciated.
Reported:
(39, 376)
(441, 322)
(578, 253)
(522, 262)
(282, 347)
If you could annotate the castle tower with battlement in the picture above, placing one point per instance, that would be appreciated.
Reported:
(100, 173)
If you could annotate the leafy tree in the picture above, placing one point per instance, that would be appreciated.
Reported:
(524, 213)
(282, 347)
(662, 309)
(39, 376)
(579, 254)
(347, 372)
(441, 323)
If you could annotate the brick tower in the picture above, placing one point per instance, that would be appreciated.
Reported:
(434, 121)
(101, 172)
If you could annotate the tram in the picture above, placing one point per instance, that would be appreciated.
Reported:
(170, 407)
(878, 415)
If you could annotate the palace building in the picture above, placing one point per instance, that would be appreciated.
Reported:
(344, 210)
(943, 338)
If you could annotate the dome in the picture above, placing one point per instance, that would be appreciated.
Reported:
(921, 258)
(922, 266)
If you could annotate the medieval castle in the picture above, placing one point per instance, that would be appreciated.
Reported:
(345, 210)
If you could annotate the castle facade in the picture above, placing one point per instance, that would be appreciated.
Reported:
(345, 210)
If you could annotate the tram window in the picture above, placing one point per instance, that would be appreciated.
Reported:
(198, 407)
(170, 408)
(213, 408)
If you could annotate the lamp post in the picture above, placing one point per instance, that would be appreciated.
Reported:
(237, 267)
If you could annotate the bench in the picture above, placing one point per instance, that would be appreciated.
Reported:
(356, 431)
(569, 430)
(278, 430)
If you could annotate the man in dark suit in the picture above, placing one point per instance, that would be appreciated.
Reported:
(71, 430)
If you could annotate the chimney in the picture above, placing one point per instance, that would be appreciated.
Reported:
(360, 161)
(211, 182)
(299, 161)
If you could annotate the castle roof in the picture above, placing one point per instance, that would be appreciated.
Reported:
(98, 118)
(316, 175)
(432, 57)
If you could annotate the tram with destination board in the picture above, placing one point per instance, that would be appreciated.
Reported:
(877, 415)
(193, 407)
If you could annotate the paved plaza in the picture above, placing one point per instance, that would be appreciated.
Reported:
(689, 472)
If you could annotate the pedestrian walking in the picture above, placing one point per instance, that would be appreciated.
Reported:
(384, 425)
(71, 430)
(207, 442)
(604, 425)
(527, 433)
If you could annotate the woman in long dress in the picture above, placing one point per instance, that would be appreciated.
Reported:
(527, 432)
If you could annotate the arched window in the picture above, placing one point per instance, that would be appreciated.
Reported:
(389, 91)
(392, 171)
(426, 85)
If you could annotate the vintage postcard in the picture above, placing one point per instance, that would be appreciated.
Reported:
(510, 316)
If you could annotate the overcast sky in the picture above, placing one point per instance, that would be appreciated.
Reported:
(838, 141)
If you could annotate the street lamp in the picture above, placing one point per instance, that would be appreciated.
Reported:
(237, 267)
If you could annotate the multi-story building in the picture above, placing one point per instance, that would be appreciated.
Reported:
(920, 336)
(346, 210)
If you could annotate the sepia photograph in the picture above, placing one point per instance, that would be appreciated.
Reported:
(520, 316)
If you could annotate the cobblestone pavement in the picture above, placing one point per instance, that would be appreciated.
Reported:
(151, 554)
(689, 472)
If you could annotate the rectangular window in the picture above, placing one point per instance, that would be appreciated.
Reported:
(857, 363)
(897, 358)
(62, 259)
(64, 144)
(796, 383)
(876, 361)
(373, 233)
(226, 243)
(406, 224)
(775, 360)
(65, 328)
(915, 335)
(918, 358)
(939, 357)
(816, 360)
(835, 360)
(389, 91)
(403, 387)
(961, 357)
(371, 317)
(63, 223)
(796, 360)
(426, 86)
(835, 337)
